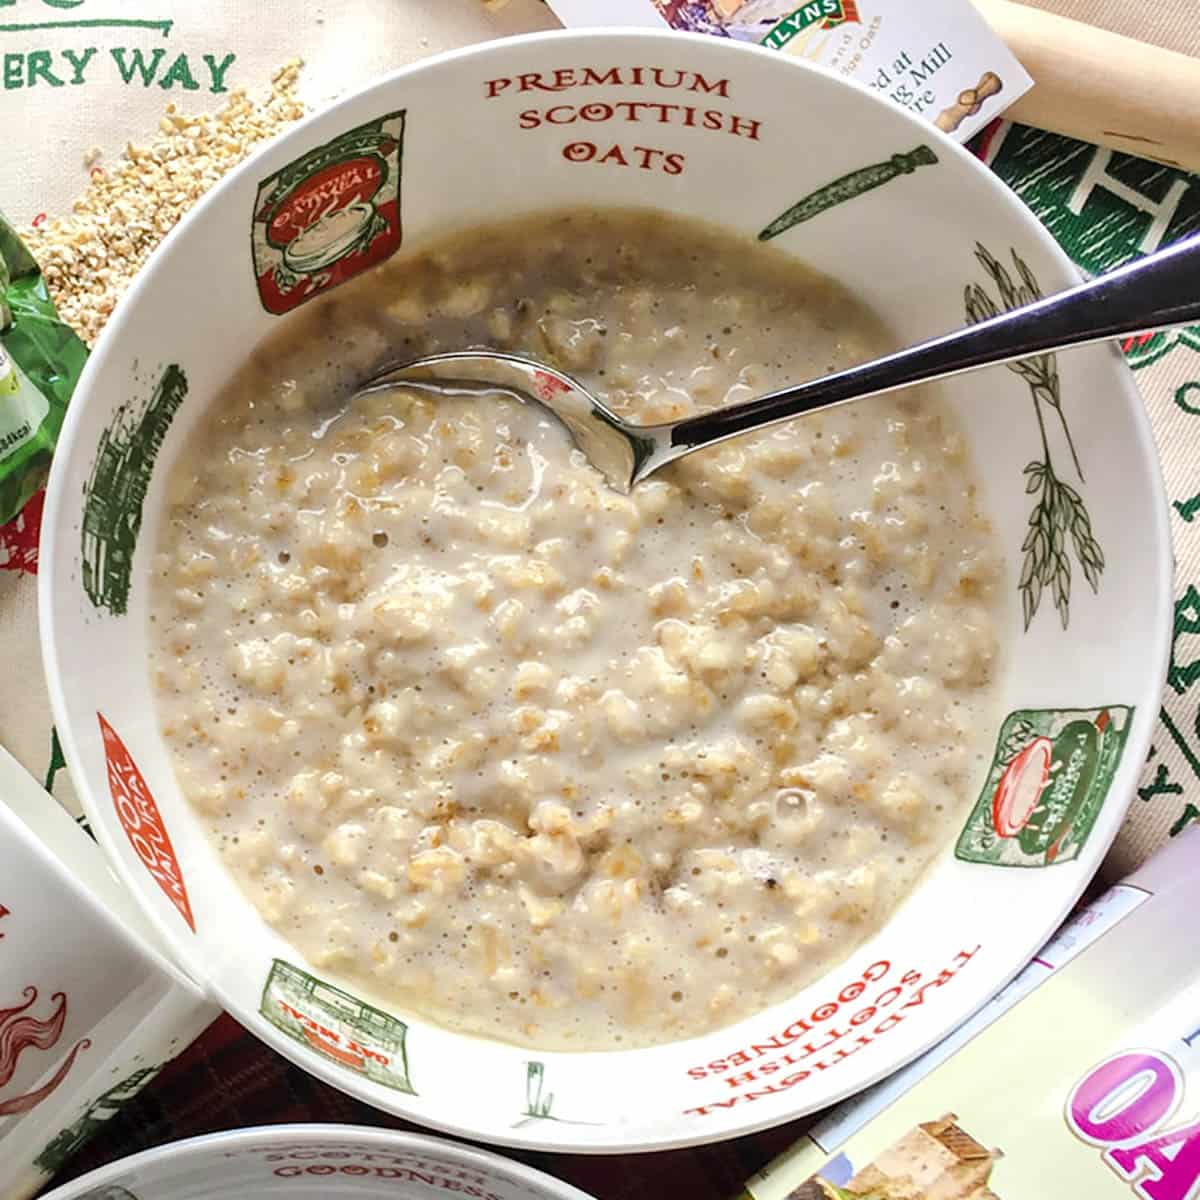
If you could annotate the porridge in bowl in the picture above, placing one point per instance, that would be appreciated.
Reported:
(536, 760)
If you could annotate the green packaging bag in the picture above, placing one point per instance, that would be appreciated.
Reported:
(40, 363)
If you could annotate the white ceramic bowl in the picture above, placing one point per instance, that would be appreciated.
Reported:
(90, 1007)
(326, 1162)
(909, 245)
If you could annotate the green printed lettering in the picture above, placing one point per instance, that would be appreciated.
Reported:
(1180, 741)
(13, 78)
(1189, 814)
(1184, 397)
(79, 62)
(137, 64)
(179, 73)
(217, 71)
(39, 68)
(1161, 785)
(1181, 675)
(1187, 509)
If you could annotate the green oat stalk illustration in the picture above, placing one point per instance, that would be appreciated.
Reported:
(1059, 520)
(100, 1110)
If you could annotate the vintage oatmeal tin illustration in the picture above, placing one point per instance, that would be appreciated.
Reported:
(329, 215)
(1048, 780)
(338, 1025)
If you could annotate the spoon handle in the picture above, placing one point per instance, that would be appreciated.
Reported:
(1160, 290)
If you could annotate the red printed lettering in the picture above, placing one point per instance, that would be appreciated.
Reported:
(563, 78)
(736, 1081)
(851, 991)
(143, 824)
(591, 76)
(720, 88)
(614, 155)
(742, 127)
(834, 1044)
(334, 188)
(635, 112)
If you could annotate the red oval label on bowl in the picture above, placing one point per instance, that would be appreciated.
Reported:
(1021, 786)
(329, 191)
(142, 822)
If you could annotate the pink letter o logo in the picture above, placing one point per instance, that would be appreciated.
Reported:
(1123, 1097)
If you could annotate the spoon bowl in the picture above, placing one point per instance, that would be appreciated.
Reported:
(1152, 293)
(620, 451)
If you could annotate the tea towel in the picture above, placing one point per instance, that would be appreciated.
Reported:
(82, 74)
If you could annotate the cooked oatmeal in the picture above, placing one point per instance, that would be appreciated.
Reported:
(498, 746)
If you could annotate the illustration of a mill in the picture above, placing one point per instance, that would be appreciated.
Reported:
(107, 1105)
(117, 489)
(938, 1160)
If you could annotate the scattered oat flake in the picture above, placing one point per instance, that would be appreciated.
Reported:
(90, 256)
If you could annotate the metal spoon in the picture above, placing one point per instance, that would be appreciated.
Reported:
(1155, 292)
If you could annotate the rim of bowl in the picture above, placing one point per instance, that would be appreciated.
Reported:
(969, 1001)
(196, 1150)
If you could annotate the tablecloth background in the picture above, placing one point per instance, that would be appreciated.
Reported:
(1104, 208)
(1171, 24)
(229, 1080)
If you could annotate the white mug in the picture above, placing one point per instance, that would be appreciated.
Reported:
(90, 1008)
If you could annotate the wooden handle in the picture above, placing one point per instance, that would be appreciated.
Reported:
(969, 102)
(1102, 87)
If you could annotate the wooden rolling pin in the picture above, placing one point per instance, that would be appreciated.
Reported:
(1102, 87)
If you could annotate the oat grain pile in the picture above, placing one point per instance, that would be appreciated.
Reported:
(90, 257)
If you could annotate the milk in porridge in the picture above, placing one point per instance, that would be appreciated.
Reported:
(498, 746)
